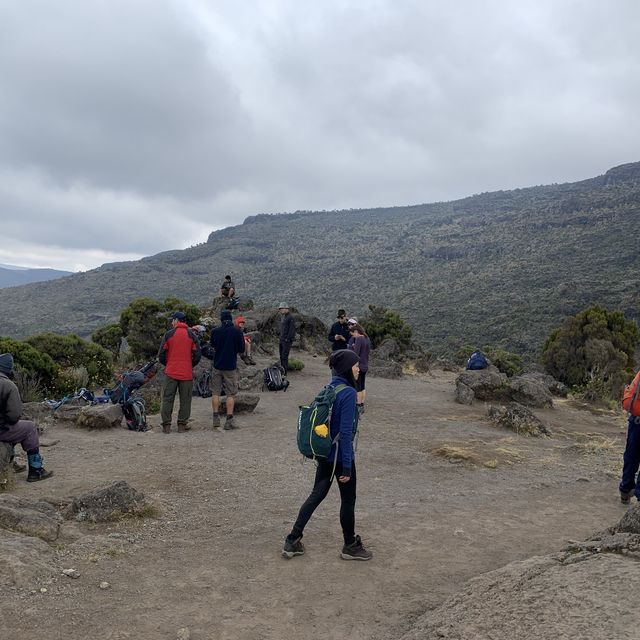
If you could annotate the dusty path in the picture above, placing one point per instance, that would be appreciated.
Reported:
(211, 561)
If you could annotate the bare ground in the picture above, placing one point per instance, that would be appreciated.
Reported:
(443, 496)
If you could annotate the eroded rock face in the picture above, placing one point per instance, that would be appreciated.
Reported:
(555, 387)
(464, 394)
(30, 517)
(530, 392)
(519, 419)
(107, 503)
(630, 521)
(486, 384)
(100, 416)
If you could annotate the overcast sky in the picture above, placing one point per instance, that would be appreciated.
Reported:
(129, 127)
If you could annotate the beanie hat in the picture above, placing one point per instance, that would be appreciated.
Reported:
(225, 315)
(342, 360)
(283, 305)
(341, 313)
(6, 363)
(179, 315)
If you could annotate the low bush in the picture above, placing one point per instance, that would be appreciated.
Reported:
(295, 364)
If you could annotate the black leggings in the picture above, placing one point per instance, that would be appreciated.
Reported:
(319, 492)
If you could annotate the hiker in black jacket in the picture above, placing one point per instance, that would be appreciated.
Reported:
(287, 334)
(339, 333)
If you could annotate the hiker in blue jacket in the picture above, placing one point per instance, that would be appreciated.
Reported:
(345, 368)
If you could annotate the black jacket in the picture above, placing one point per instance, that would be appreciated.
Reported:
(342, 330)
(287, 328)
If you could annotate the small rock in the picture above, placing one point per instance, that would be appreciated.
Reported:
(183, 634)
(43, 590)
(71, 573)
(105, 585)
(455, 460)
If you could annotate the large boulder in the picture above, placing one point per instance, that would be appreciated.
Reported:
(490, 384)
(529, 391)
(464, 394)
(245, 402)
(100, 416)
(385, 369)
(107, 503)
(30, 517)
(555, 387)
(486, 384)
(519, 419)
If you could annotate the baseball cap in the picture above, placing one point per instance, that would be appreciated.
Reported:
(179, 315)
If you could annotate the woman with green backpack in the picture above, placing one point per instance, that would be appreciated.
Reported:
(339, 463)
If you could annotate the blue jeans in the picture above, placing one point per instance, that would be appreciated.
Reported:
(631, 458)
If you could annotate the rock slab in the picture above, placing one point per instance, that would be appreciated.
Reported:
(31, 517)
(100, 416)
(107, 503)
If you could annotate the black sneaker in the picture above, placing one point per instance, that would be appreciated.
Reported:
(36, 475)
(625, 496)
(355, 551)
(292, 548)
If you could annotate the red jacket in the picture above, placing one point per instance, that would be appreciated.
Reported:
(181, 350)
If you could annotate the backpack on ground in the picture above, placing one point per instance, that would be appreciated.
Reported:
(234, 303)
(275, 378)
(477, 361)
(314, 435)
(135, 414)
(631, 397)
(202, 386)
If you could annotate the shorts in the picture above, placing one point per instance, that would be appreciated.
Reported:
(360, 381)
(227, 380)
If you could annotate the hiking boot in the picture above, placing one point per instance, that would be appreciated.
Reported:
(292, 548)
(245, 358)
(625, 496)
(18, 467)
(251, 360)
(166, 428)
(184, 427)
(229, 424)
(38, 474)
(355, 551)
(216, 420)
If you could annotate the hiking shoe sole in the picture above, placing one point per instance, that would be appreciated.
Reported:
(291, 554)
(347, 556)
(625, 498)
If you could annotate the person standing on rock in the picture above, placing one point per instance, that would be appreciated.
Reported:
(287, 334)
(339, 332)
(344, 422)
(179, 352)
(360, 344)
(227, 342)
(13, 430)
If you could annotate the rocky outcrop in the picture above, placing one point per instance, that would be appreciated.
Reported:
(6, 451)
(23, 559)
(519, 419)
(492, 385)
(581, 592)
(107, 503)
(30, 517)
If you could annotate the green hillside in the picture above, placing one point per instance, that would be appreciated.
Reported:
(502, 268)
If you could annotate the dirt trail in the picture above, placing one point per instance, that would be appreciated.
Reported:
(211, 561)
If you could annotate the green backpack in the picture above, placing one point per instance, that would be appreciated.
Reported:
(317, 442)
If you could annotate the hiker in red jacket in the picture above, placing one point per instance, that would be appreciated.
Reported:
(179, 352)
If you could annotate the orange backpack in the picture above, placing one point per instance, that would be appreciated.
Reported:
(631, 397)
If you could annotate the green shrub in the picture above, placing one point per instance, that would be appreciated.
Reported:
(506, 361)
(109, 337)
(381, 323)
(593, 351)
(295, 364)
(29, 386)
(145, 320)
(72, 351)
(30, 361)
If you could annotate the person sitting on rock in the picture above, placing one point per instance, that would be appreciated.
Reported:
(246, 357)
(12, 429)
(227, 288)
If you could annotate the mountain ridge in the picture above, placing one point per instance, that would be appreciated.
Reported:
(503, 267)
